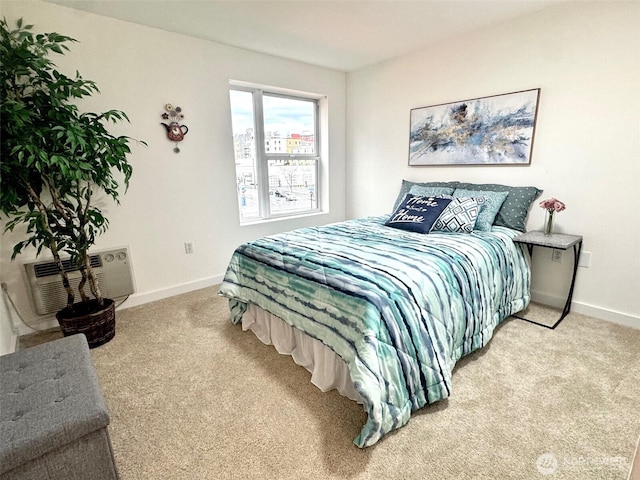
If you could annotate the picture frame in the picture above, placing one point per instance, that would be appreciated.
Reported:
(492, 130)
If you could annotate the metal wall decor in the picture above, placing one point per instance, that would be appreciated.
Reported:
(175, 131)
(496, 130)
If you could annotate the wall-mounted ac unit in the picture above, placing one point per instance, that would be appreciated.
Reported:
(112, 268)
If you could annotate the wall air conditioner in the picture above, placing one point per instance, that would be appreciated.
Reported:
(112, 268)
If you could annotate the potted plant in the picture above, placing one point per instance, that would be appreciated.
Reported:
(56, 163)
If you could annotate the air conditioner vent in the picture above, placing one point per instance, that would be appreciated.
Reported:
(111, 267)
(46, 269)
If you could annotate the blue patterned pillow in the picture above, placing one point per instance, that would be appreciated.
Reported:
(430, 191)
(417, 213)
(459, 217)
(514, 210)
(489, 206)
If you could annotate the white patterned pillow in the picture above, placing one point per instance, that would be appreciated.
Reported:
(459, 217)
(489, 205)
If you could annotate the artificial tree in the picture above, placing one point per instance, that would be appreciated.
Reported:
(56, 161)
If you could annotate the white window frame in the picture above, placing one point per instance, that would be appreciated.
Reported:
(263, 157)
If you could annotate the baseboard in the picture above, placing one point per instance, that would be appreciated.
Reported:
(41, 323)
(634, 473)
(146, 297)
(612, 316)
(14, 341)
(10, 345)
(547, 299)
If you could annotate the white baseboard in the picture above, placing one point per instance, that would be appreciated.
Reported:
(9, 345)
(146, 297)
(612, 316)
(547, 299)
(42, 323)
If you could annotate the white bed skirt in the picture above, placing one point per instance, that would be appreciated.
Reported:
(328, 370)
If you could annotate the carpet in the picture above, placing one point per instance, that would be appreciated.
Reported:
(192, 396)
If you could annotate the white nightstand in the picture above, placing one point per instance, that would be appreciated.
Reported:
(557, 241)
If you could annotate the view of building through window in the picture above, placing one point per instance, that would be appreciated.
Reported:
(278, 175)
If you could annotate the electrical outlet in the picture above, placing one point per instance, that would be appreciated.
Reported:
(188, 247)
(585, 259)
(556, 255)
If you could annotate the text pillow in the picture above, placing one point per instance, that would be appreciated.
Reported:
(417, 213)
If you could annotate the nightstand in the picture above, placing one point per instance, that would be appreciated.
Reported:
(557, 241)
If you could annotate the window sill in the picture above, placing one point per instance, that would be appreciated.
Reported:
(260, 221)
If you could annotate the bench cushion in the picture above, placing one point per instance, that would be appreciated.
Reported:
(49, 398)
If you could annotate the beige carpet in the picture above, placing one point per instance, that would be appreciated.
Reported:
(192, 396)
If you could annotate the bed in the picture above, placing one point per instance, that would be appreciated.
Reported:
(380, 313)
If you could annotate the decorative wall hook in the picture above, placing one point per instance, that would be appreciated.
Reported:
(175, 131)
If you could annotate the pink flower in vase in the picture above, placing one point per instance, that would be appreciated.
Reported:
(551, 205)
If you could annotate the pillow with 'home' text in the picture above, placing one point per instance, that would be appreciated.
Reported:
(417, 213)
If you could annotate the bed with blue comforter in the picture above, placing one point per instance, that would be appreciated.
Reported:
(400, 308)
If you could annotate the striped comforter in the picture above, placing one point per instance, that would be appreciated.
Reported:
(400, 308)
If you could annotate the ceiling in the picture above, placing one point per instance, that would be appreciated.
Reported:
(343, 35)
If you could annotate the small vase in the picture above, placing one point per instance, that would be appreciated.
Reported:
(548, 223)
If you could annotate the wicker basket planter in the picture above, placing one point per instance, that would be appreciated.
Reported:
(99, 326)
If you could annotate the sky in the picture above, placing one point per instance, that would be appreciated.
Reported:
(285, 115)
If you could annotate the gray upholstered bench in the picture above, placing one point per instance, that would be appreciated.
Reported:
(53, 418)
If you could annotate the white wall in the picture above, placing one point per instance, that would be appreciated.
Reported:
(586, 59)
(7, 334)
(188, 196)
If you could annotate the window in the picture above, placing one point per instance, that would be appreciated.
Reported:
(276, 153)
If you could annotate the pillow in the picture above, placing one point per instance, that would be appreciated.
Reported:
(514, 210)
(490, 203)
(430, 191)
(407, 185)
(459, 217)
(417, 213)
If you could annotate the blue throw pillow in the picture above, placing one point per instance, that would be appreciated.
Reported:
(459, 217)
(514, 210)
(417, 213)
(430, 191)
(408, 185)
(489, 206)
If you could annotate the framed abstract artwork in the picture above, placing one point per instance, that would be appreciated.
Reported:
(495, 130)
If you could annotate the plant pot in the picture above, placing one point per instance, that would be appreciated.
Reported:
(97, 324)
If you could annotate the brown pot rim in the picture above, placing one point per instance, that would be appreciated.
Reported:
(69, 312)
